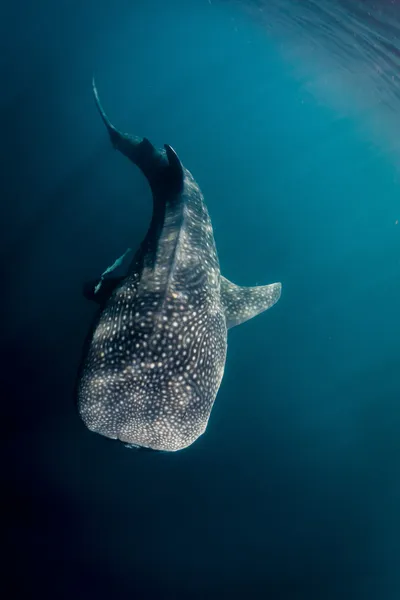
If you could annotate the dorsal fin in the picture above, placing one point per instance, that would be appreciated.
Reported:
(175, 167)
(243, 303)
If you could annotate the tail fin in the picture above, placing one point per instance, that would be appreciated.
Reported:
(159, 167)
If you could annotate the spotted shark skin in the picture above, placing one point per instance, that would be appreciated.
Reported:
(157, 351)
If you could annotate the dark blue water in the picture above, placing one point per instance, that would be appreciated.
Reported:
(294, 490)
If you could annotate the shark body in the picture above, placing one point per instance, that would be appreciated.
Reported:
(157, 352)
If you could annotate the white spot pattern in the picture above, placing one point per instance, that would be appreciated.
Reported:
(157, 355)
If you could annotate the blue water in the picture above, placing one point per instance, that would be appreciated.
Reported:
(293, 492)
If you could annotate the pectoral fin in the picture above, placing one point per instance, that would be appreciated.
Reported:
(244, 303)
(101, 289)
(117, 263)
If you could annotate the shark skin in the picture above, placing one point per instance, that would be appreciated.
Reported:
(155, 356)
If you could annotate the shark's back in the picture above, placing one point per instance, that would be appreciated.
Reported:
(158, 351)
(156, 355)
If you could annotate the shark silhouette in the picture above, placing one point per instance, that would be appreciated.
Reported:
(156, 354)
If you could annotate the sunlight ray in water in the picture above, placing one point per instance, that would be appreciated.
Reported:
(347, 55)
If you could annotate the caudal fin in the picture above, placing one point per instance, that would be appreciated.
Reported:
(162, 168)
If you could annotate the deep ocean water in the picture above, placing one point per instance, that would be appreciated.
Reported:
(287, 114)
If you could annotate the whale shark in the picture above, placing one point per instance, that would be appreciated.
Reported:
(156, 353)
